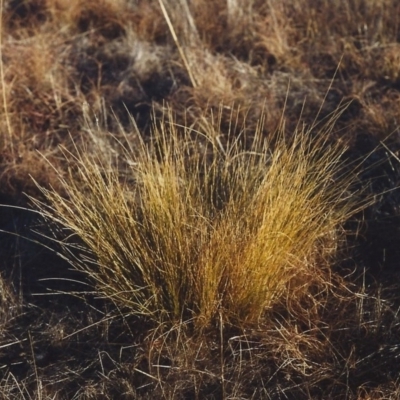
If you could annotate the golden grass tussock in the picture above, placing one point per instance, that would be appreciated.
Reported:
(220, 250)
(208, 231)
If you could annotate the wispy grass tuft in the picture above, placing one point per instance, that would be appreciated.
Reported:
(208, 231)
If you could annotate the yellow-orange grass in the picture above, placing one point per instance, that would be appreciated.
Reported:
(208, 230)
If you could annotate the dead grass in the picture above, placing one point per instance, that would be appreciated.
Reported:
(232, 283)
(208, 231)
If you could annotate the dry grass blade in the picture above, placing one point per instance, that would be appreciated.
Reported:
(3, 84)
(178, 45)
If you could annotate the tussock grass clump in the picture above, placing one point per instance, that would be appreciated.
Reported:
(208, 230)
(200, 223)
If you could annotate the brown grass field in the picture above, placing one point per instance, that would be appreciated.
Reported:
(200, 199)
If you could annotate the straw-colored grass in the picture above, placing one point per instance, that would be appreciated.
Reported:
(200, 220)
(208, 230)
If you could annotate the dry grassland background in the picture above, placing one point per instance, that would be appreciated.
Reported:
(200, 199)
